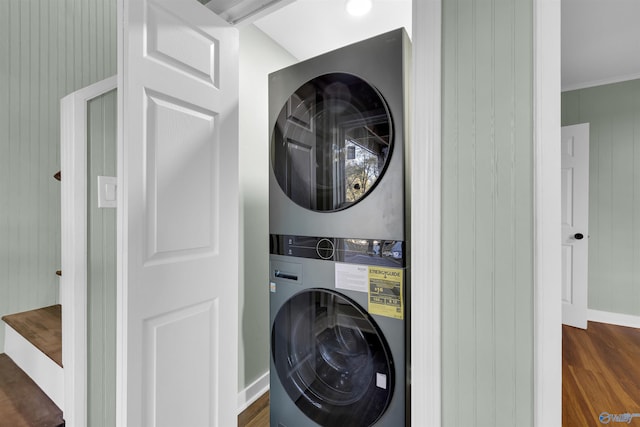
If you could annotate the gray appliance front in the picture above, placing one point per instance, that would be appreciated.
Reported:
(337, 197)
(332, 364)
(334, 119)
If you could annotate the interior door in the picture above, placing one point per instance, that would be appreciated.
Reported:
(575, 222)
(178, 216)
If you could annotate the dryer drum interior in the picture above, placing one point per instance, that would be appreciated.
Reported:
(331, 142)
(331, 359)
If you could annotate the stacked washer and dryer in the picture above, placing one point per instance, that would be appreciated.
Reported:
(338, 223)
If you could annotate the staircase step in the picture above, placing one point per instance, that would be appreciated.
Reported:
(41, 327)
(33, 340)
(22, 402)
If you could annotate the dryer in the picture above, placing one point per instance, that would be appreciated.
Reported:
(338, 220)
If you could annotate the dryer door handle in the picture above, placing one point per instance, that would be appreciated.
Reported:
(283, 275)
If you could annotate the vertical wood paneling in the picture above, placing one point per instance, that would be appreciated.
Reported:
(613, 112)
(522, 242)
(487, 194)
(101, 262)
(451, 344)
(5, 161)
(40, 64)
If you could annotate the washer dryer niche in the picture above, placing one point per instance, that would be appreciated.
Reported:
(338, 172)
(337, 143)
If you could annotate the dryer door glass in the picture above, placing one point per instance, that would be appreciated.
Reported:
(331, 359)
(331, 142)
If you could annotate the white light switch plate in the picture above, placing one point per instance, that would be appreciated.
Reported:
(107, 191)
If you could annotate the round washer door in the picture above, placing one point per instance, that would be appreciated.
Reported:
(332, 359)
(331, 142)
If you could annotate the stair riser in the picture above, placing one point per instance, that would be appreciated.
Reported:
(44, 371)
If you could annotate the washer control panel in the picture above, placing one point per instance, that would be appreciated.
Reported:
(325, 248)
(357, 251)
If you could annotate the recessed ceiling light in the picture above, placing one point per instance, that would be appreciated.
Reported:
(358, 7)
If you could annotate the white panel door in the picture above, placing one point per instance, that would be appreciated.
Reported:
(575, 222)
(178, 160)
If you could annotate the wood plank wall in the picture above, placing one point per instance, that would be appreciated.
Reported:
(101, 271)
(487, 197)
(48, 49)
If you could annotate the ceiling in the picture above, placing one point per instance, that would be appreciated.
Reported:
(600, 38)
(600, 42)
(307, 28)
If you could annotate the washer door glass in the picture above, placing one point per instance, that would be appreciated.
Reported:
(331, 142)
(331, 359)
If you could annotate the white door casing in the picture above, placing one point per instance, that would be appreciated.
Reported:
(547, 358)
(178, 215)
(575, 223)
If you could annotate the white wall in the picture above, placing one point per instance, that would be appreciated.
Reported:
(259, 56)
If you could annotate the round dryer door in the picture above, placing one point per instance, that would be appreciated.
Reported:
(331, 142)
(332, 359)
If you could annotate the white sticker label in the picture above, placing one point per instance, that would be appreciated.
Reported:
(272, 286)
(352, 277)
(381, 381)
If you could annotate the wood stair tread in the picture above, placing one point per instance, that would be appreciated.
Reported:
(22, 402)
(42, 327)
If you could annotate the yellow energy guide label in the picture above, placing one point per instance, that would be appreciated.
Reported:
(385, 292)
(382, 284)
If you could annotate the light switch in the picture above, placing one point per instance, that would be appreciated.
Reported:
(107, 191)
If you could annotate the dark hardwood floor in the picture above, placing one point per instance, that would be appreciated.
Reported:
(256, 415)
(600, 378)
(600, 375)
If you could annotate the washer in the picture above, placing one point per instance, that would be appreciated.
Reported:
(338, 221)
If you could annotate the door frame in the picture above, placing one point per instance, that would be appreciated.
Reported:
(547, 215)
(73, 282)
(426, 388)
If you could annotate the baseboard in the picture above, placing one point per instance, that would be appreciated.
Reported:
(614, 318)
(250, 394)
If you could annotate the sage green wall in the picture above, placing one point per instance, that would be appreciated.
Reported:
(259, 56)
(487, 205)
(613, 112)
(101, 265)
(48, 49)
